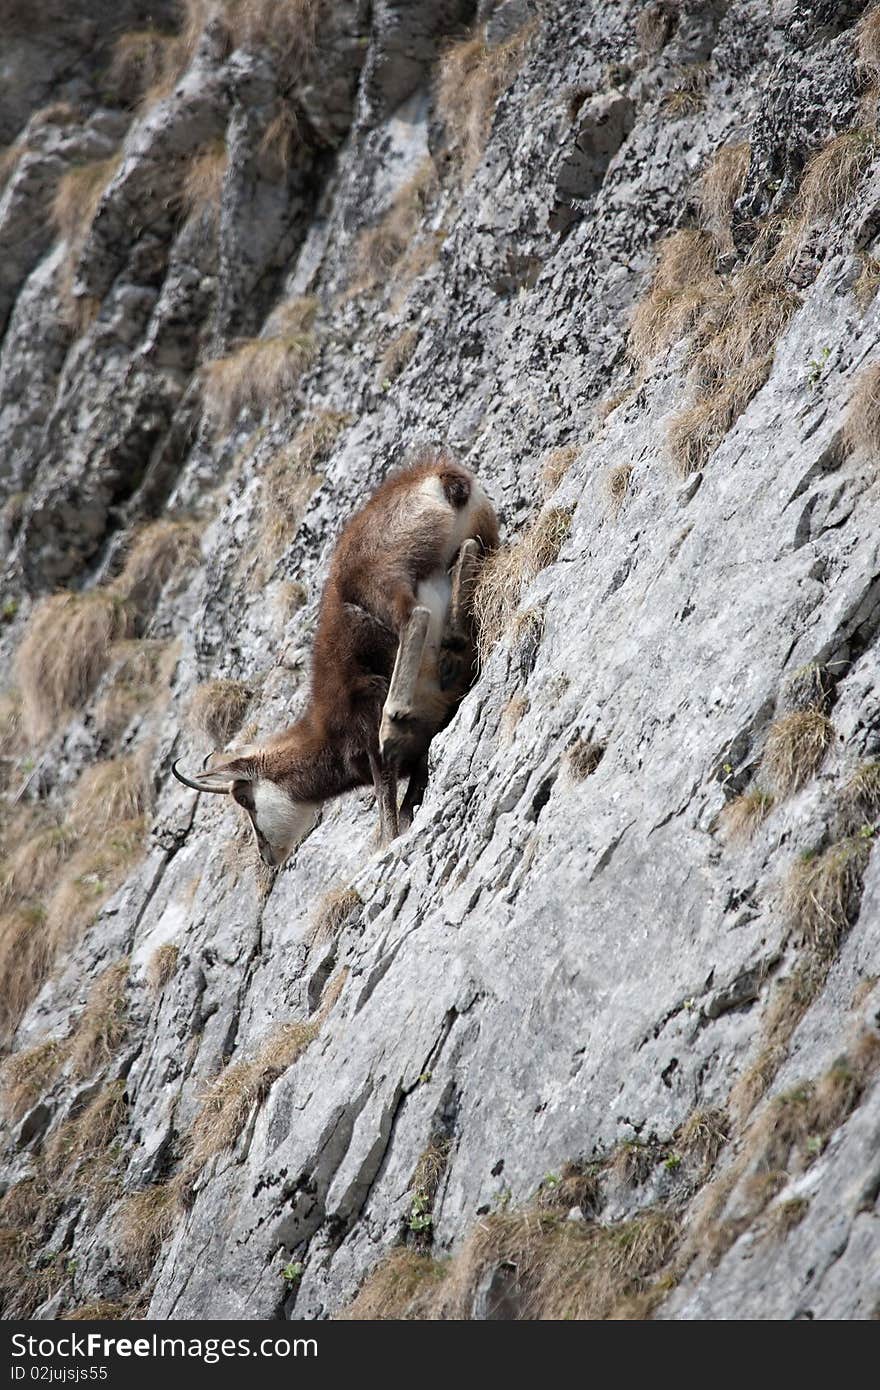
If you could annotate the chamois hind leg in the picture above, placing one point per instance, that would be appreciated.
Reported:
(415, 791)
(400, 701)
(385, 787)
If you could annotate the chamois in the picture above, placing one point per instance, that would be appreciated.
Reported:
(394, 654)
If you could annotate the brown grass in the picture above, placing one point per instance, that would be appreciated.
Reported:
(288, 30)
(78, 1154)
(102, 1310)
(806, 689)
(868, 43)
(90, 877)
(795, 747)
(720, 184)
(202, 187)
(741, 817)
(703, 1135)
(583, 757)
(861, 424)
(109, 793)
(103, 1024)
(511, 714)
(33, 864)
(155, 554)
(859, 798)
(140, 63)
(78, 195)
(64, 652)
(25, 957)
(687, 97)
(331, 914)
(616, 485)
(393, 1287)
(783, 1217)
(242, 1085)
(833, 174)
(144, 1221)
(385, 254)
(262, 372)
(217, 709)
(162, 966)
(684, 282)
(289, 481)
(26, 1075)
(868, 282)
(823, 891)
(396, 356)
(137, 681)
(655, 26)
(506, 572)
(472, 79)
(555, 465)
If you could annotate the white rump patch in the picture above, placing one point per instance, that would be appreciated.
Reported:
(435, 594)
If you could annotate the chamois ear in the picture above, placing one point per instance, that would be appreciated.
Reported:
(220, 772)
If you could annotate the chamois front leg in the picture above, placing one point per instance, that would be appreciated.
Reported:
(415, 791)
(399, 708)
(385, 787)
(455, 649)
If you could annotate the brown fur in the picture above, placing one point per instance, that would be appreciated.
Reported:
(387, 548)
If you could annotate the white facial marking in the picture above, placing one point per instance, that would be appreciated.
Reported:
(281, 821)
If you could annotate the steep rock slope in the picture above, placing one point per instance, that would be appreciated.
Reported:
(598, 1036)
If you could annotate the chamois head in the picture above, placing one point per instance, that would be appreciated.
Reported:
(279, 820)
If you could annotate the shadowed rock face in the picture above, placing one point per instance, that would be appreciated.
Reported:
(568, 955)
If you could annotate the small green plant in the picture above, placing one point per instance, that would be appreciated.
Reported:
(424, 1078)
(818, 365)
(9, 609)
(671, 1162)
(421, 1217)
(292, 1273)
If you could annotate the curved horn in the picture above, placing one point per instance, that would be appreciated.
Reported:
(211, 782)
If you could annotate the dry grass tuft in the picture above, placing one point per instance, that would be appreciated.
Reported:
(703, 1135)
(505, 573)
(262, 372)
(232, 1096)
(795, 748)
(833, 173)
(34, 863)
(25, 958)
(159, 551)
(807, 689)
(202, 187)
(684, 282)
(742, 816)
(395, 1286)
(332, 913)
(92, 874)
(162, 965)
(145, 1220)
(396, 356)
(289, 481)
(868, 43)
(866, 286)
(823, 891)
(472, 79)
(512, 713)
(861, 425)
(64, 652)
(583, 757)
(103, 1024)
(79, 1153)
(102, 1310)
(616, 486)
(110, 793)
(78, 195)
(217, 709)
(720, 185)
(393, 252)
(688, 96)
(25, 1076)
(655, 26)
(859, 798)
(140, 63)
(784, 1217)
(555, 465)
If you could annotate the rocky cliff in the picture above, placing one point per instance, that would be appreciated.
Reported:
(598, 1036)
